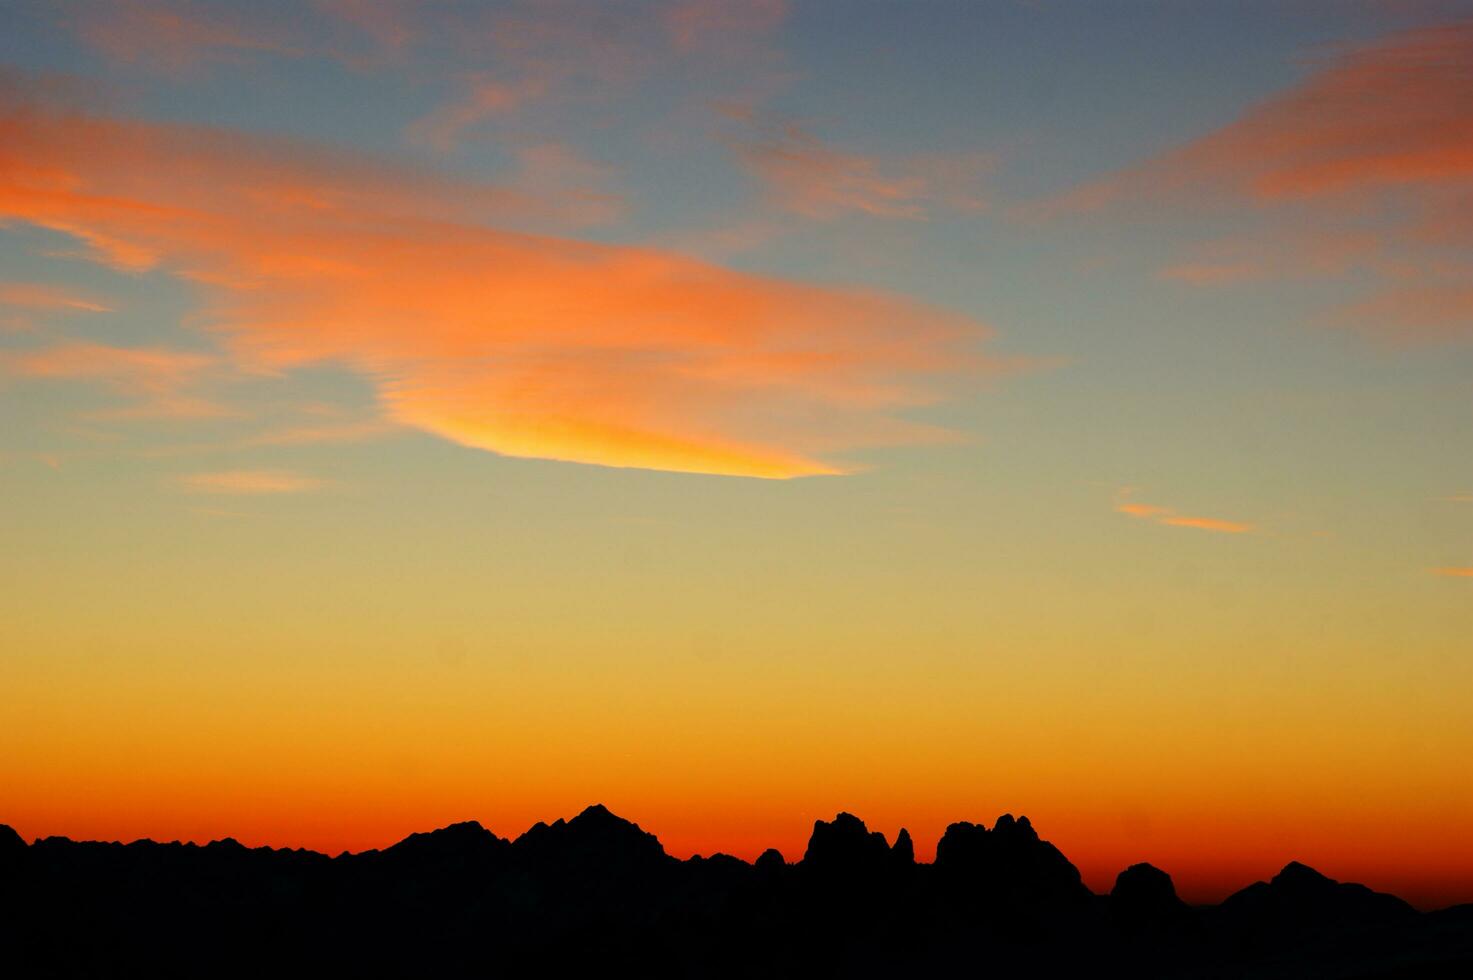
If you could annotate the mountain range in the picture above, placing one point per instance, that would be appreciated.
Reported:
(599, 893)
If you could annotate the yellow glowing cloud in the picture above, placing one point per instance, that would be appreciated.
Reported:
(519, 344)
(1454, 572)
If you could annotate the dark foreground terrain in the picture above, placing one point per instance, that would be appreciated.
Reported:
(597, 893)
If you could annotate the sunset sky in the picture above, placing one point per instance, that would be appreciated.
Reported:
(736, 412)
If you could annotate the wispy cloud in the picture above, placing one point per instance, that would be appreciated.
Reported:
(157, 380)
(38, 296)
(1454, 572)
(248, 482)
(522, 345)
(808, 177)
(311, 435)
(1207, 524)
(175, 37)
(698, 25)
(1171, 518)
(1366, 164)
(483, 98)
(535, 52)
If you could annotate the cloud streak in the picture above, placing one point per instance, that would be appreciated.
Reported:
(808, 177)
(248, 482)
(36, 296)
(1169, 517)
(158, 380)
(519, 344)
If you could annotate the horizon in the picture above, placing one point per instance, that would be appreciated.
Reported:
(739, 412)
(1099, 880)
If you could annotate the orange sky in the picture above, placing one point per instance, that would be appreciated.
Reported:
(733, 415)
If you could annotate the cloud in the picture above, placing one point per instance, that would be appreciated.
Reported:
(245, 482)
(698, 25)
(1454, 572)
(483, 98)
(156, 378)
(175, 37)
(1169, 517)
(1142, 510)
(1208, 524)
(1422, 312)
(309, 435)
(1211, 274)
(807, 177)
(35, 296)
(519, 344)
(514, 55)
(1393, 113)
(1367, 163)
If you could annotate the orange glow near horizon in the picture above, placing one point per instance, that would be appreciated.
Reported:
(414, 413)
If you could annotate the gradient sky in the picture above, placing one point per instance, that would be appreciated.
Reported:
(734, 412)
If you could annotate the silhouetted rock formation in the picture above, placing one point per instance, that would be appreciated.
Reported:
(846, 847)
(1145, 892)
(904, 851)
(598, 893)
(1009, 870)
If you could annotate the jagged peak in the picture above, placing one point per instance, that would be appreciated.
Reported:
(1295, 873)
(465, 833)
(771, 858)
(10, 838)
(904, 849)
(1144, 883)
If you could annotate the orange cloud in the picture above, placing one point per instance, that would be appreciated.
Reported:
(1454, 572)
(1169, 517)
(34, 296)
(248, 482)
(519, 344)
(1412, 313)
(156, 377)
(1369, 161)
(1208, 524)
(807, 177)
(1141, 510)
(1391, 113)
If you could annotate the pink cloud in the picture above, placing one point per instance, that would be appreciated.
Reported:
(806, 176)
(174, 36)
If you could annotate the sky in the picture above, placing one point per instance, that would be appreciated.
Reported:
(738, 412)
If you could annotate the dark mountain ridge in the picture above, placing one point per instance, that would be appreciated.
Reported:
(597, 891)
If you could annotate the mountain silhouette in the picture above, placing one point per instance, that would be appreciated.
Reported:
(599, 893)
